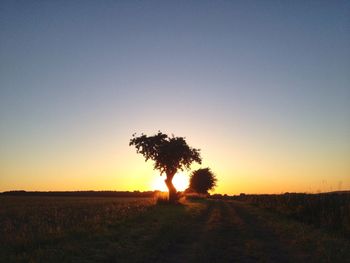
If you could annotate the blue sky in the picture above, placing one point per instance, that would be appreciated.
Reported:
(265, 80)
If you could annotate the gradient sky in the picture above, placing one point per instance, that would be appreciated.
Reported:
(261, 87)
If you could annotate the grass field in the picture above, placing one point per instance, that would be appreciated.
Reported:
(83, 229)
(327, 211)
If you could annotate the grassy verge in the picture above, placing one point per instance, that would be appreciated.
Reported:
(308, 243)
(141, 233)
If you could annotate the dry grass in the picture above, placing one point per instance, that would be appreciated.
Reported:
(90, 229)
(26, 220)
(328, 211)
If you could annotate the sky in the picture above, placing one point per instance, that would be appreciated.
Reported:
(261, 87)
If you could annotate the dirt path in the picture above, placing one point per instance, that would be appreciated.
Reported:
(236, 232)
(232, 234)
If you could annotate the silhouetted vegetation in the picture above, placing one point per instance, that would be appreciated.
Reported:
(330, 211)
(169, 154)
(202, 180)
(220, 197)
(132, 194)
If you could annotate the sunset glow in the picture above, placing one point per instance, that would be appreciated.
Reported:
(262, 89)
(180, 181)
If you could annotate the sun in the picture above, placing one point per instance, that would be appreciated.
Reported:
(180, 181)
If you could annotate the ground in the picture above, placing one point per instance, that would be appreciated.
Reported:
(229, 231)
(195, 231)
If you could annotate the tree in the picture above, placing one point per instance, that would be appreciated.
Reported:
(202, 180)
(170, 154)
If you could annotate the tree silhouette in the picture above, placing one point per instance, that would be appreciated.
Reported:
(169, 154)
(202, 180)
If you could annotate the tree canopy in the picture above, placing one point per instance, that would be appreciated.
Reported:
(169, 154)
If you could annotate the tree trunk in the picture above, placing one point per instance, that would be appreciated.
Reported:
(172, 190)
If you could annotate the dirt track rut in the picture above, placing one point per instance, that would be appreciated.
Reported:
(230, 231)
(232, 234)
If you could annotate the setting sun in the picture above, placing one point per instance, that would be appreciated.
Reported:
(180, 181)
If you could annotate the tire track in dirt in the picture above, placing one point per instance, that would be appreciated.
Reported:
(185, 251)
(258, 242)
(232, 234)
(220, 241)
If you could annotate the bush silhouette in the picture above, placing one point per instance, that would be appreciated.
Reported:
(202, 180)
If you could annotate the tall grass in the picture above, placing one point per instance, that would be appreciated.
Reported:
(329, 211)
(28, 220)
(162, 198)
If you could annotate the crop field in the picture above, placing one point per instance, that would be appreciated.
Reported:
(327, 211)
(113, 229)
(28, 223)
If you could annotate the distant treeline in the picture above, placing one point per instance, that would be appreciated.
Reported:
(83, 193)
(243, 196)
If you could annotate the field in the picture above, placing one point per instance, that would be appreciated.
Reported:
(54, 228)
(326, 211)
(110, 229)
